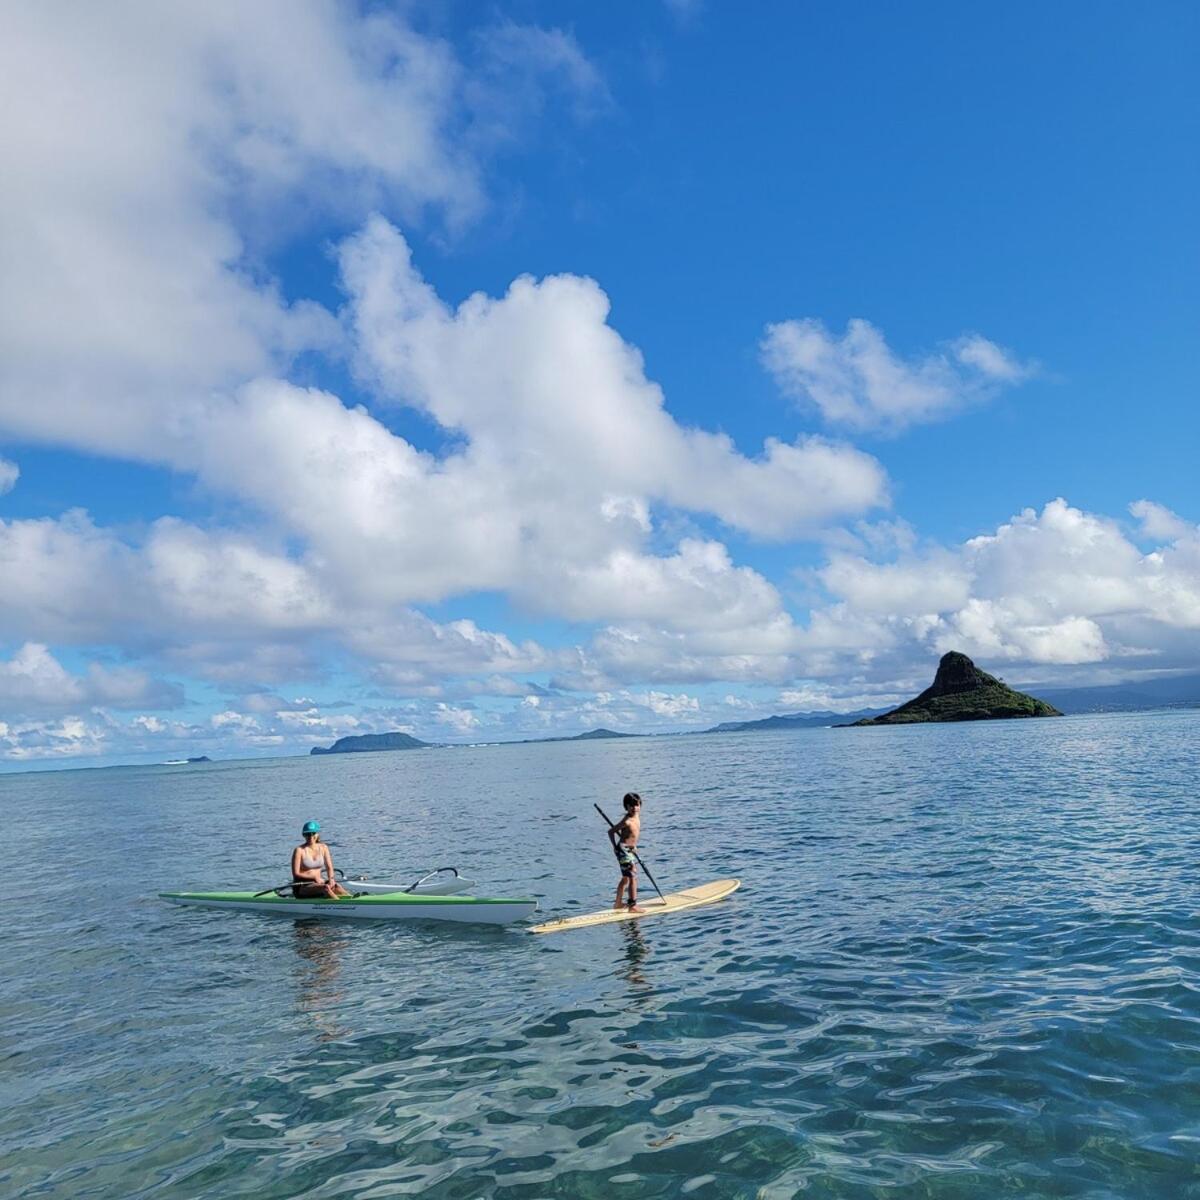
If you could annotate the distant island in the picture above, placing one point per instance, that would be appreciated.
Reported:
(592, 735)
(364, 742)
(372, 741)
(962, 692)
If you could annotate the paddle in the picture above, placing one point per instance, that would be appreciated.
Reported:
(635, 854)
(287, 887)
(268, 891)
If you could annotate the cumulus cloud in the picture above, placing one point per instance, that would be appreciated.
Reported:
(63, 738)
(1059, 587)
(859, 381)
(191, 139)
(1158, 523)
(460, 719)
(555, 403)
(34, 681)
(565, 447)
(9, 474)
(222, 606)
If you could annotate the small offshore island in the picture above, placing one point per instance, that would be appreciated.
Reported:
(962, 692)
(372, 741)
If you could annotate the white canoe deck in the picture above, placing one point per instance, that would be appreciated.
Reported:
(705, 893)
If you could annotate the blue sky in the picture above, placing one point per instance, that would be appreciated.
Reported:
(841, 336)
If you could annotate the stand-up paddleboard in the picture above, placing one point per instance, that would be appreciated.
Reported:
(705, 893)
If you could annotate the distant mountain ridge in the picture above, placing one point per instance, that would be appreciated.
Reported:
(1167, 692)
(799, 720)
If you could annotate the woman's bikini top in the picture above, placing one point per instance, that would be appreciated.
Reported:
(310, 864)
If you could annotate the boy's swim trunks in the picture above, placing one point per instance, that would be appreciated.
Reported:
(626, 860)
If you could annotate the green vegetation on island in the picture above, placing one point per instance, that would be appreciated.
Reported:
(962, 692)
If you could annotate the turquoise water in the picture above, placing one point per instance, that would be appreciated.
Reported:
(965, 962)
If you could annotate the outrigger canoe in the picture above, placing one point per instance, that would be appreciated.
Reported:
(389, 906)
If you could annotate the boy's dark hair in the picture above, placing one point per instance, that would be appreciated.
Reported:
(630, 799)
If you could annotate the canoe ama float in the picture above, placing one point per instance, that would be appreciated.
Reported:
(390, 906)
(705, 893)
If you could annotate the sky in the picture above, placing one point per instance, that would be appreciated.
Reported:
(512, 370)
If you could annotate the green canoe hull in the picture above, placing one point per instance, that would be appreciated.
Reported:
(388, 906)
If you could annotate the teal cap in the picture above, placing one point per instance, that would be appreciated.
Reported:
(311, 827)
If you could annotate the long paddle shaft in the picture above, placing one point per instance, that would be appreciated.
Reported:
(635, 854)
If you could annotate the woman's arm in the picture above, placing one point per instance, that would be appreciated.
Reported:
(328, 862)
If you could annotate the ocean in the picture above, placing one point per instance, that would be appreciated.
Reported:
(964, 962)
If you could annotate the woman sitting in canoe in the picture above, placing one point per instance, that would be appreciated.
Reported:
(309, 861)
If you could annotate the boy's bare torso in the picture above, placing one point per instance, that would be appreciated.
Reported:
(630, 830)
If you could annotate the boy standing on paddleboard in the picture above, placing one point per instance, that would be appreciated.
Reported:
(624, 836)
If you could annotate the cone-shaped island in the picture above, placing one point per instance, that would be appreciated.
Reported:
(962, 692)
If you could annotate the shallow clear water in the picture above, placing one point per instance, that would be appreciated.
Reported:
(965, 962)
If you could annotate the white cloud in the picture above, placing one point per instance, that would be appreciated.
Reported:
(558, 411)
(227, 581)
(9, 474)
(62, 738)
(65, 580)
(859, 381)
(933, 583)
(460, 720)
(641, 652)
(1159, 523)
(816, 698)
(520, 63)
(220, 606)
(142, 325)
(1059, 587)
(156, 154)
(667, 704)
(549, 498)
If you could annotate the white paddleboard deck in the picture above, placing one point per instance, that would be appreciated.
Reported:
(705, 893)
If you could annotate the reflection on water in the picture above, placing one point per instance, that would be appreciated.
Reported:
(318, 978)
(634, 954)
